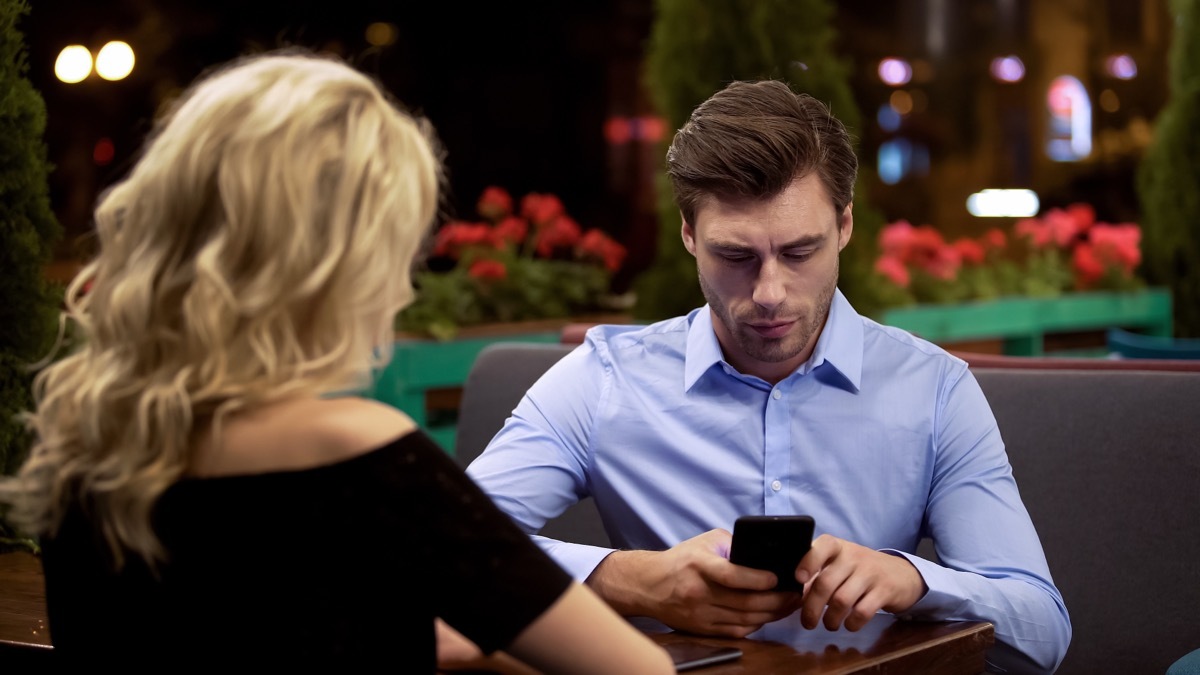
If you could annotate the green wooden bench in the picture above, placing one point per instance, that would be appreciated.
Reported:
(419, 367)
(1023, 323)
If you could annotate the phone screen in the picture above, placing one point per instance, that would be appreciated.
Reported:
(688, 655)
(772, 543)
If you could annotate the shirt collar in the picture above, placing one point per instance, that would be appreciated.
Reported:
(840, 344)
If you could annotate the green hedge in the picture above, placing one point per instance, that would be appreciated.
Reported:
(28, 233)
(1169, 175)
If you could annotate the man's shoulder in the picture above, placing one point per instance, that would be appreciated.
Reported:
(889, 346)
(619, 338)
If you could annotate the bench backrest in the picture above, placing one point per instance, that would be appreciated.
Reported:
(1108, 464)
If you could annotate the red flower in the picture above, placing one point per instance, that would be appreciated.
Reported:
(457, 235)
(541, 208)
(1083, 215)
(970, 251)
(511, 230)
(488, 269)
(1037, 232)
(895, 238)
(494, 204)
(892, 268)
(1088, 268)
(599, 245)
(1065, 227)
(561, 232)
(1118, 245)
(994, 239)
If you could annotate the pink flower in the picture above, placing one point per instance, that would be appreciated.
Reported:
(893, 268)
(1038, 234)
(1064, 227)
(895, 238)
(1118, 245)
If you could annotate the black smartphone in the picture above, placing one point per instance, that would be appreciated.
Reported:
(772, 543)
(689, 655)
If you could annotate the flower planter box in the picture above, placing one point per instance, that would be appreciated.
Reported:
(1022, 325)
(425, 376)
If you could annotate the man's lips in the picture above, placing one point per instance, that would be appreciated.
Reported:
(773, 329)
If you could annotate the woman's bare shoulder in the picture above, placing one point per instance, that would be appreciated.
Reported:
(300, 434)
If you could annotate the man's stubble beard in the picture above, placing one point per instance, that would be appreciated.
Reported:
(772, 350)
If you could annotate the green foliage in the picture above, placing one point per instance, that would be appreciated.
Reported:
(1169, 175)
(28, 233)
(533, 289)
(699, 46)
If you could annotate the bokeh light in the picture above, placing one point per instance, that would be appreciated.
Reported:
(888, 118)
(1121, 66)
(114, 61)
(901, 101)
(1109, 101)
(381, 34)
(896, 72)
(74, 64)
(1007, 69)
(104, 152)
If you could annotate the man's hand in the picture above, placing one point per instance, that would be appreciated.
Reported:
(850, 583)
(692, 587)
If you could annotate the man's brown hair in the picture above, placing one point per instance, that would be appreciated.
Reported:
(751, 140)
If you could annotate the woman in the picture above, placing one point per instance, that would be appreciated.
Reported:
(201, 492)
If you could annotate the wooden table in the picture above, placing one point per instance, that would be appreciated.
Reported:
(885, 645)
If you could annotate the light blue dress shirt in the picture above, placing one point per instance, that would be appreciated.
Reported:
(881, 437)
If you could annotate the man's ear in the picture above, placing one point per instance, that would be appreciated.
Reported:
(689, 235)
(846, 227)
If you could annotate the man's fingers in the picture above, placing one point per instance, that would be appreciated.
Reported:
(729, 575)
(824, 549)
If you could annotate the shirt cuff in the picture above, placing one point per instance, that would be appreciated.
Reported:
(941, 601)
(579, 560)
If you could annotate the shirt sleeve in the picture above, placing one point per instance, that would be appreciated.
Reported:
(992, 564)
(537, 465)
(490, 580)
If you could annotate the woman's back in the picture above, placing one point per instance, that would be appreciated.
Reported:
(351, 557)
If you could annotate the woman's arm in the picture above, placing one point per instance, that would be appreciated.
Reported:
(579, 634)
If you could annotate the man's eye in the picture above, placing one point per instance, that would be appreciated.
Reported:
(736, 259)
(798, 257)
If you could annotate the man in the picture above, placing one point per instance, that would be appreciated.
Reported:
(777, 398)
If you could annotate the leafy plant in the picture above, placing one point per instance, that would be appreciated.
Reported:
(28, 233)
(1169, 174)
(535, 264)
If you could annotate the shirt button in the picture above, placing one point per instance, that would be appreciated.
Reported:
(776, 394)
(776, 485)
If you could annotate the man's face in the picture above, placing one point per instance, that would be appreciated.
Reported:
(768, 270)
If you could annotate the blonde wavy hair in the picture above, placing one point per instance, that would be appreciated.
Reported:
(259, 250)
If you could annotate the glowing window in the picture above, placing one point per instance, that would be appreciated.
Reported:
(1070, 128)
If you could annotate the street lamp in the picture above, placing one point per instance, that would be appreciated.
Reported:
(113, 62)
(74, 64)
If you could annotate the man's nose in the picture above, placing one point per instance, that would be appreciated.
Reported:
(768, 287)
